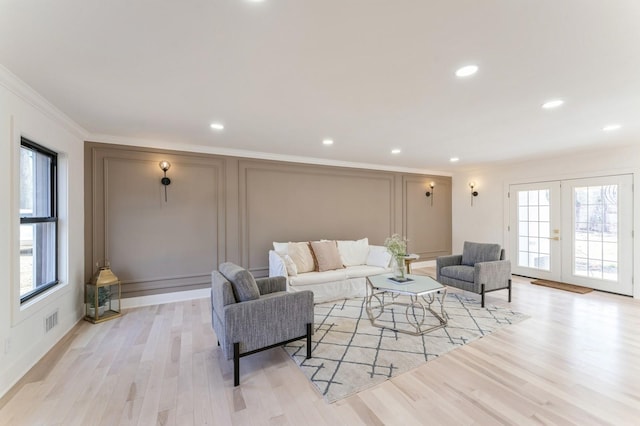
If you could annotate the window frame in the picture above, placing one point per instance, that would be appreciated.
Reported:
(51, 218)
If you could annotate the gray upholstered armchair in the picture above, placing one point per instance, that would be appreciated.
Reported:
(480, 268)
(250, 315)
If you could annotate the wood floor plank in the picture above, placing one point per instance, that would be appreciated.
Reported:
(574, 361)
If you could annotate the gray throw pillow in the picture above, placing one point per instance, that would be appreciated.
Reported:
(243, 284)
(479, 252)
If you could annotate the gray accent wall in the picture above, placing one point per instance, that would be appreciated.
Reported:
(222, 208)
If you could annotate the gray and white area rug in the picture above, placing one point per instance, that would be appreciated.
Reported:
(349, 354)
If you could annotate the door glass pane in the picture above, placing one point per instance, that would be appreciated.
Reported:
(610, 271)
(544, 230)
(543, 215)
(610, 252)
(523, 229)
(533, 222)
(523, 213)
(580, 266)
(545, 246)
(596, 232)
(544, 197)
(523, 242)
(542, 262)
(523, 198)
(581, 248)
(523, 258)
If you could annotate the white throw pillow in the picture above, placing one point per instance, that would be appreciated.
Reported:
(292, 271)
(354, 253)
(378, 256)
(301, 255)
(281, 248)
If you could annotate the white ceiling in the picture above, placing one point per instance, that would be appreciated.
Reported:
(372, 75)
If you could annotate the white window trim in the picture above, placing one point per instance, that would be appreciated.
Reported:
(22, 311)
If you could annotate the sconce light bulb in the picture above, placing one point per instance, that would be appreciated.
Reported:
(164, 165)
(432, 185)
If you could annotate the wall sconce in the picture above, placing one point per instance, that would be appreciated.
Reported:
(473, 193)
(431, 192)
(164, 166)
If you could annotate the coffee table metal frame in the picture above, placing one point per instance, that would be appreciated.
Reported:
(422, 293)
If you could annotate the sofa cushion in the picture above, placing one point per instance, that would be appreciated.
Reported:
(473, 253)
(327, 256)
(301, 255)
(243, 284)
(361, 271)
(378, 256)
(292, 270)
(458, 272)
(281, 248)
(318, 277)
(354, 252)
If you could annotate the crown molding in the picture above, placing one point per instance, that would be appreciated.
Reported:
(175, 146)
(25, 92)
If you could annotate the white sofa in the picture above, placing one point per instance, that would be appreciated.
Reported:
(359, 260)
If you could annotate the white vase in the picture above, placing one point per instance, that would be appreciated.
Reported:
(91, 311)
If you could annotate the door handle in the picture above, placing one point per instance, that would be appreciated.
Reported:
(555, 238)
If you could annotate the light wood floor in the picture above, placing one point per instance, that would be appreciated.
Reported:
(575, 361)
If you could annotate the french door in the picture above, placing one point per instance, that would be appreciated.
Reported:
(577, 231)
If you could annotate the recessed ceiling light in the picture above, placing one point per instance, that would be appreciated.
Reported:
(611, 127)
(395, 151)
(555, 103)
(454, 159)
(467, 71)
(328, 142)
(217, 126)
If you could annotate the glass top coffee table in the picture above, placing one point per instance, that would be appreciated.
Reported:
(421, 293)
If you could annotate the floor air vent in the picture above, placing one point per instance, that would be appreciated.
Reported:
(50, 321)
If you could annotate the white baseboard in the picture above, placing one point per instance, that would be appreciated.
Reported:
(159, 299)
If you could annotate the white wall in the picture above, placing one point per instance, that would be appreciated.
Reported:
(22, 336)
(488, 219)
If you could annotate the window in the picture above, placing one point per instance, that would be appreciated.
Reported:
(38, 220)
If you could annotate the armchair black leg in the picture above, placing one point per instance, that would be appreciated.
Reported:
(236, 364)
(509, 290)
(309, 340)
(218, 342)
(482, 293)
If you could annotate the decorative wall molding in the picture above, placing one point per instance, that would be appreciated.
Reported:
(248, 167)
(101, 160)
(418, 225)
(146, 286)
(25, 92)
